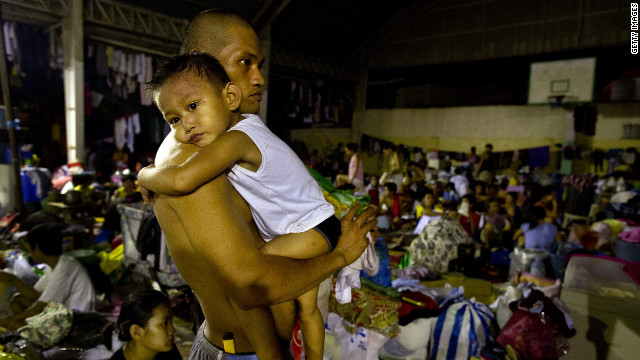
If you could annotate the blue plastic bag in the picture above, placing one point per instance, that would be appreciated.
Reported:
(383, 277)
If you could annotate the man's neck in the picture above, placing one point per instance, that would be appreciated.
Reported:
(236, 118)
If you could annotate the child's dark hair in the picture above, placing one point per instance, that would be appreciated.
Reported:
(137, 309)
(536, 216)
(201, 64)
(48, 237)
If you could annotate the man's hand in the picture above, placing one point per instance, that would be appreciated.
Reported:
(352, 241)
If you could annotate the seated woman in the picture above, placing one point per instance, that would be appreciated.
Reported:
(145, 325)
(536, 233)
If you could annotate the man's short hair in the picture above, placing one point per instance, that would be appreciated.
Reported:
(48, 237)
(201, 64)
(209, 31)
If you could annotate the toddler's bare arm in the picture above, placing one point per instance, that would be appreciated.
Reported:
(205, 164)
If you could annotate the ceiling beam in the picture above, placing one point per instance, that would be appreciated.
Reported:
(262, 10)
(276, 9)
(108, 21)
(305, 64)
(126, 17)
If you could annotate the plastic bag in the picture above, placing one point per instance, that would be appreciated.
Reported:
(533, 261)
(48, 327)
(356, 342)
(462, 329)
(23, 270)
(383, 276)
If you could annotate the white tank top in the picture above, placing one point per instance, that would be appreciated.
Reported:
(284, 198)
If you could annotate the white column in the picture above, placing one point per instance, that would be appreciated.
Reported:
(72, 35)
(566, 165)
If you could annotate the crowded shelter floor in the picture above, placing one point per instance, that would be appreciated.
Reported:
(441, 292)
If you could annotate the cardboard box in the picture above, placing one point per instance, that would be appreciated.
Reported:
(605, 308)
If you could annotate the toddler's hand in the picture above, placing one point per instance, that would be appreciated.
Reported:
(147, 195)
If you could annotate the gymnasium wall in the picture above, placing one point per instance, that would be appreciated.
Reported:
(459, 128)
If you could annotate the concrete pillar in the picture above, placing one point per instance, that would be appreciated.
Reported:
(359, 102)
(566, 165)
(73, 35)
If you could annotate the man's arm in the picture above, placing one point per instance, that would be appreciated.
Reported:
(204, 165)
(225, 246)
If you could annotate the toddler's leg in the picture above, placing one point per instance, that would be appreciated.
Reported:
(311, 324)
(302, 246)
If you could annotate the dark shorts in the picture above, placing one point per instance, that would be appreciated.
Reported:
(330, 229)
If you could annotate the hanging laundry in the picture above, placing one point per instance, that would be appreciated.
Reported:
(120, 132)
(133, 128)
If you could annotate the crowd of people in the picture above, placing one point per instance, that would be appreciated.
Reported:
(496, 209)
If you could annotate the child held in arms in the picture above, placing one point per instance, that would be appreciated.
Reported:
(196, 97)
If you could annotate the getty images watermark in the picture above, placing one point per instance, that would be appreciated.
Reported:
(634, 28)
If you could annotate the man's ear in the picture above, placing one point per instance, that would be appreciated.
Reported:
(136, 331)
(233, 96)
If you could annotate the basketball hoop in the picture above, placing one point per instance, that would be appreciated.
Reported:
(555, 100)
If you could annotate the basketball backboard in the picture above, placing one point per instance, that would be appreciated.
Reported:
(562, 81)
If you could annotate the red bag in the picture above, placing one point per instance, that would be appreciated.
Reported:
(537, 330)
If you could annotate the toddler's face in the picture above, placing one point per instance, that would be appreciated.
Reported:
(194, 109)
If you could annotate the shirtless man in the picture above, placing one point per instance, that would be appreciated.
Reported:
(210, 233)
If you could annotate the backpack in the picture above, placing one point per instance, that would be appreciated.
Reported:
(149, 237)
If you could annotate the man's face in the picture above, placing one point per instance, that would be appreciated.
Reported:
(242, 59)
(196, 112)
